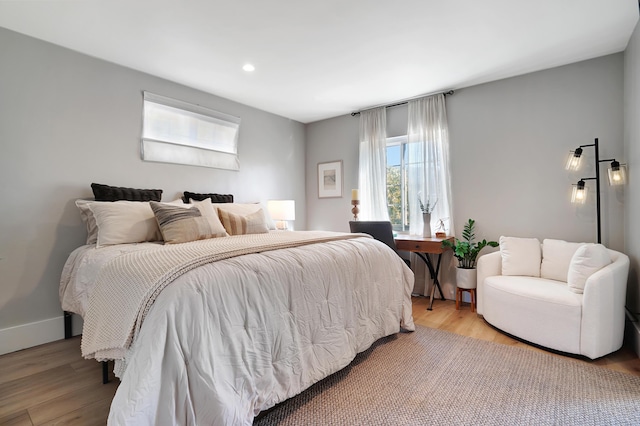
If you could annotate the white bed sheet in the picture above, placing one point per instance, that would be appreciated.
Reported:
(230, 339)
(81, 268)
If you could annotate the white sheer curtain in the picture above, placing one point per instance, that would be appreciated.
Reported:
(372, 179)
(429, 176)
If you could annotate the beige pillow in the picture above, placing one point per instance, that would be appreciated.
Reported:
(244, 209)
(520, 256)
(556, 257)
(123, 222)
(587, 260)
(180, 225)
(236, 224)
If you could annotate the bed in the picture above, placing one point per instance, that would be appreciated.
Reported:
(229, 327)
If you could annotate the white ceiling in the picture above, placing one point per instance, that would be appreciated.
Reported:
(320, 59)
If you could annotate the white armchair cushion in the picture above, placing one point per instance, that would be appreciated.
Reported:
(587, 260)
(556, 258)
(535, 309)
(520, 256)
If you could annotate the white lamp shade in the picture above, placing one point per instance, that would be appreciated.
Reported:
(282, 209)
(573, 162)
(579, 194)
(617, 175)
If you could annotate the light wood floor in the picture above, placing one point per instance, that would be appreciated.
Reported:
(53, 385)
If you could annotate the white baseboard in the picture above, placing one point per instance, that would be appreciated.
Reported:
(632, 332)
(36, 333)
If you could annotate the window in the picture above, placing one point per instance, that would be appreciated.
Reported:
(183, 133)
(397, 184)
(399, 170)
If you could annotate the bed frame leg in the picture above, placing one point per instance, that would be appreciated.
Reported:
(68, 333)
(105, 372)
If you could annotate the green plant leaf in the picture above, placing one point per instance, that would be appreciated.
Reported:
(465, 250)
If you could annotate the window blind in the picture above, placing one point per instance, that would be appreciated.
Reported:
(174, 131)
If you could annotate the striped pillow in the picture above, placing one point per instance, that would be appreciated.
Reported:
(235, 224)
(180, 225)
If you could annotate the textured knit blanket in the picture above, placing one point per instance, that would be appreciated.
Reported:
(127, 286)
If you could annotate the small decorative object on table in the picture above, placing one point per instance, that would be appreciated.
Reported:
(426, 209)
(441, 231)
(355, 202)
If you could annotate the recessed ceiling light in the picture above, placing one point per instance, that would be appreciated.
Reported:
(248, 68)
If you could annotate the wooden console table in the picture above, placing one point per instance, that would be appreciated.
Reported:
(423, 247)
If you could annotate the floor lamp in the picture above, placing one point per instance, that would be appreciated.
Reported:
(617, 174)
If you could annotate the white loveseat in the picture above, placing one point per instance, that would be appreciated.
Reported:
(532, 291)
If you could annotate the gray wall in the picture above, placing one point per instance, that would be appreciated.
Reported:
(337, 139)
(632, 157)
(67, 120)
(509, 142)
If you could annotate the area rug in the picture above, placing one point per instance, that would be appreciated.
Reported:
(433, 377)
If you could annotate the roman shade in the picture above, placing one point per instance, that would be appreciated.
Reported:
(184, 133)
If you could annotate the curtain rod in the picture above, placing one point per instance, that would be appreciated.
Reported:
(449, 92)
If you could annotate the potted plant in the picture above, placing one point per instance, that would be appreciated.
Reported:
(466, 250)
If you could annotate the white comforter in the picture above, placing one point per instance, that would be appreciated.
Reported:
(230, 339)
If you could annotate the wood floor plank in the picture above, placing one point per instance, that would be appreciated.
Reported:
(89, 364)
(95, 413)
(72, 401)
(41, 387)
(37, 359)
(20, 418)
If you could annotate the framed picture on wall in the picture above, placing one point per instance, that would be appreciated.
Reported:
(330, 179)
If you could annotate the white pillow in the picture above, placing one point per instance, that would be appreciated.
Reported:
(88, 219)
(205, 207)
(556, 257)
(587, 259)
(245, 209)
(123, 222)
(520, 256)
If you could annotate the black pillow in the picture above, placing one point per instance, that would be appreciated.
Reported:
(115, 193)
(215, 198)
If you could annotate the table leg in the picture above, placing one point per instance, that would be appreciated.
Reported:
(434, 276)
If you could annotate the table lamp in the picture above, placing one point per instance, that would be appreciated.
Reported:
(282, 211)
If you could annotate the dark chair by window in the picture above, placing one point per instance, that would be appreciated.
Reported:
(380, 230)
